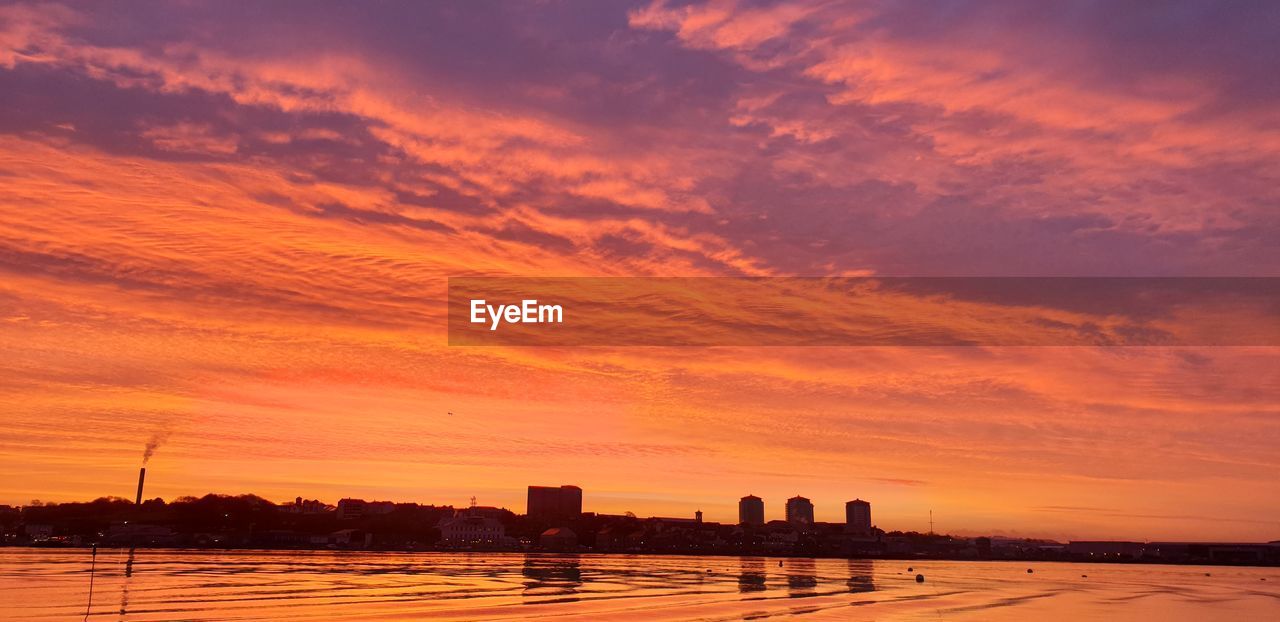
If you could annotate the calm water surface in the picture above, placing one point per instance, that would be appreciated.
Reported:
(53, 584)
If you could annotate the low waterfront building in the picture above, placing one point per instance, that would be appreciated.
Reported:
(471, 529)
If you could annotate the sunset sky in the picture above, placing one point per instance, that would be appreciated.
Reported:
(232, 226)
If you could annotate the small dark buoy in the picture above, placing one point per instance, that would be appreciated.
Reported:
(919, 578)
(1084, 576)
(1029, 571)
(709, 570)
(1207, 574)
(910, 569)
(779, 563)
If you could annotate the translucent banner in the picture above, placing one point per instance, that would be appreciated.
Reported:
(863, 311)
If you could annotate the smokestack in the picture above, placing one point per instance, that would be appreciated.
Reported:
(142, 475)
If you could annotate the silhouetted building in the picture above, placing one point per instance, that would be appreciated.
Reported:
(350, 538)
(799, 511)
(751, 510)
(547, 503)
(304, 506)
(664, 521)
(38, 532)
(558, 539)
(983, 545)
(857, 517)
(349, 509)
(488, 511)
(467, 528)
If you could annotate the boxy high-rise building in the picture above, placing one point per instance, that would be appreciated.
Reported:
(548, 503)
(799, 511)
(751, 510)
(857, 517)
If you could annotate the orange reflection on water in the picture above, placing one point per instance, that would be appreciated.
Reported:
(48, 584)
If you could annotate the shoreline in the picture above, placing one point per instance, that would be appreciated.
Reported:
(674, 554)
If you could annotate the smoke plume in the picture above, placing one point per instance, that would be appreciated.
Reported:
(152, 445)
